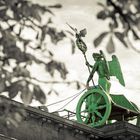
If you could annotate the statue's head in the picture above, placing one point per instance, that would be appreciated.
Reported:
(97, 56)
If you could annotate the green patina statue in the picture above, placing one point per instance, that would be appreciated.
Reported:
(105, 69)
(102, 69)
(97, 106)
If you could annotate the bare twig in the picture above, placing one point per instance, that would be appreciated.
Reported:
(57, 82)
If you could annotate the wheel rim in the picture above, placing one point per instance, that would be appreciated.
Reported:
(93, 108)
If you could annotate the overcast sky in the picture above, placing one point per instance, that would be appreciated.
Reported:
(82, 14)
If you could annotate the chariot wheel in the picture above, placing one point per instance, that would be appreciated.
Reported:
(93, 108)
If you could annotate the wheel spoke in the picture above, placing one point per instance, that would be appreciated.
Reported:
(101, 106)
(84, 111)
(87, 118)
(99, 114)
(99, 99)
(90, 99)
(85, 101)
(83, 116)
(93, 119)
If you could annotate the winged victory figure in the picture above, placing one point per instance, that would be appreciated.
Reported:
(105, 69)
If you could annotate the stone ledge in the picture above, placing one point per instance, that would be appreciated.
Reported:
(3, 137)
(118, 130)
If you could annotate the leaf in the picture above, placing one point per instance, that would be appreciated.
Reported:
(110, 46)
(53, 66)
(50, 67)
(21, 71)
(138, 23)
(99, 39)
(20, 30)
(36, 15)
(18, 117)
(73, 46)
(50, 53)
(115, 22)
(101, 4)
(55, 35)
(61, 68)
(55, 6)
(135, 35)
(38, 8)
(11, 2)
(15, 87)
(17, 17)
(26, 42)
(43, 32)
(49, 21)
(8, 75)
(26, 95)
(121, 36)
(22, 112)
(61, 35)
(11, 121)
(26, 10)
(37, 36)
(83, 32)
(102, 15)
(39, 94)
(13, 90)
(50, 92)
(2, 85)
(3, 12)
(49, 11)
(78, 85)
(8, 39)
(69, 32)
(55, 92)
(13, 52)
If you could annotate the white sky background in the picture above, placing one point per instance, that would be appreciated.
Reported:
(82, 14)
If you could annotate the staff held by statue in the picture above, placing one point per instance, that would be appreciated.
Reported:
(81, 44)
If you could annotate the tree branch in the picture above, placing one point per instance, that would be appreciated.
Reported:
(119, 11)
(132, 46)
(57, 82)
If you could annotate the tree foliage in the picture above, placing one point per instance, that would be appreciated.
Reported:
(17, 18)
(124, 21)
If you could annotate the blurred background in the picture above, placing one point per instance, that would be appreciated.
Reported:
(40, 63)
